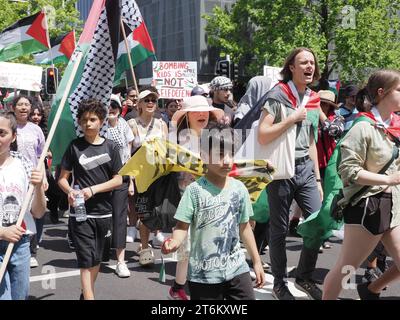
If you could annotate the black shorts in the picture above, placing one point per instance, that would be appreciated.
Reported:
(373, 213)
(238, 288)
(92, 239)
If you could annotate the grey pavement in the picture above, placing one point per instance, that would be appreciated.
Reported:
(57, 277)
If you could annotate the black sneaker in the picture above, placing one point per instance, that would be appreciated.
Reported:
(371, 274)
(364, 292)
(281, 292)
(382, 265)
(309, 287)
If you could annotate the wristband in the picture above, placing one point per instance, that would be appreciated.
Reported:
(90, 188)
(318, 180)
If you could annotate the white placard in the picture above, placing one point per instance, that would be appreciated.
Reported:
(20, 76)
(174, 79)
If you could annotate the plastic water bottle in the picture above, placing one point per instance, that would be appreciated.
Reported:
(80, 210)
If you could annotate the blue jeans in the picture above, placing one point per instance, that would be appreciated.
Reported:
(15, 283)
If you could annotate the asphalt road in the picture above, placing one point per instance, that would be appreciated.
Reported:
(57, 277)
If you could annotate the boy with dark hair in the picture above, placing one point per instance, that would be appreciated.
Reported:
(94, 162)
(217, 209)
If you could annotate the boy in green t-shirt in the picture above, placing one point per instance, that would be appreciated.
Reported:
(217, 209)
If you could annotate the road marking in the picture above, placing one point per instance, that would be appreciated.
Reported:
(74, 273)
(265, 293)
(56, 275)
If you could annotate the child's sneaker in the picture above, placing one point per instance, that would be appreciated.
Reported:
(131, 234)
(158, 240)
(180, 294)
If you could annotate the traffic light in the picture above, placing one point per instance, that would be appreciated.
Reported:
(235, 71)
(51, 80)
(224, 68)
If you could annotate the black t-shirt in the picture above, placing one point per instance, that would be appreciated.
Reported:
(93, 164)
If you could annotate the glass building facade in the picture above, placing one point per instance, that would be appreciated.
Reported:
(177, 30)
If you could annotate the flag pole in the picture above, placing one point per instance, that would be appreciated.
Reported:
(29, 194)
(128, 50)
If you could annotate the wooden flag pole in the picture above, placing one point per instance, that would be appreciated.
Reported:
(29, 194)
(128, 51)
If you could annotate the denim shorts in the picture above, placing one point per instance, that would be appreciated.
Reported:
(15, 283)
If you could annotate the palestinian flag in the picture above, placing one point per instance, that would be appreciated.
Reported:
(62, 48)
(94, 79)
(28, 35)
(139, 42)
(319, 226)
(286, 94)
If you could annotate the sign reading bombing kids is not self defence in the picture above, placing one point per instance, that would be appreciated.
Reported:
(174, 79)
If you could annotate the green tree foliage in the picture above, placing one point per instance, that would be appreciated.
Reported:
(353, 36)
(61, 14)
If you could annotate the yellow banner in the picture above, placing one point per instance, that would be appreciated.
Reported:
(157, 157)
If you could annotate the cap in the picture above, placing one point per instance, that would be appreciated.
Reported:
(146, 93)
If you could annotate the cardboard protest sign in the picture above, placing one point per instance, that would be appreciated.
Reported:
(174, 79)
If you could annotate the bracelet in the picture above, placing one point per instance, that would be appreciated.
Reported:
(90, 188)
(318, 180)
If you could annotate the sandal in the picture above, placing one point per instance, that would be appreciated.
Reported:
(146, 257)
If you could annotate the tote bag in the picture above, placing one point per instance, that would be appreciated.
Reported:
(280, 152)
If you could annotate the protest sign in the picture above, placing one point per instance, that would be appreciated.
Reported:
(20, 76)
(174, 79)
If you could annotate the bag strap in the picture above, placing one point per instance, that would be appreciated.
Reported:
(395, 154)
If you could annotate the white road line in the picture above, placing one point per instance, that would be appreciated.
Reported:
(74, 273)
(56, 275)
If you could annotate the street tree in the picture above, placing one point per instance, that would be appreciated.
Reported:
(62, 17)
(353, 37)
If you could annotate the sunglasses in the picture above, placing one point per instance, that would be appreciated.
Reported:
(150, 100)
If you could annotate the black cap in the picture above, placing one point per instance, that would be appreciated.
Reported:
(351, 90)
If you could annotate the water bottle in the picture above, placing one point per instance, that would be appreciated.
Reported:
(79, 208)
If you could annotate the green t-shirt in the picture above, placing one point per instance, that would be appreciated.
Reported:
(303, 130)
(214, 216)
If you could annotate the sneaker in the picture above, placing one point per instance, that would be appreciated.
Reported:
(265, 266)
(365, 294)
(326, 245)
(371, 274)
(146, 257)
(122, 270)
(281, 292)
(131, 234)
(158, 240)
(180, 294)
(34, 263)
(321, 249)
(309, 287)
(382, 265)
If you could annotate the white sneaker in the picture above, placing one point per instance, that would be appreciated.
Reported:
(122, 270)
(131, 234)
(158, 240)
(34, 263)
